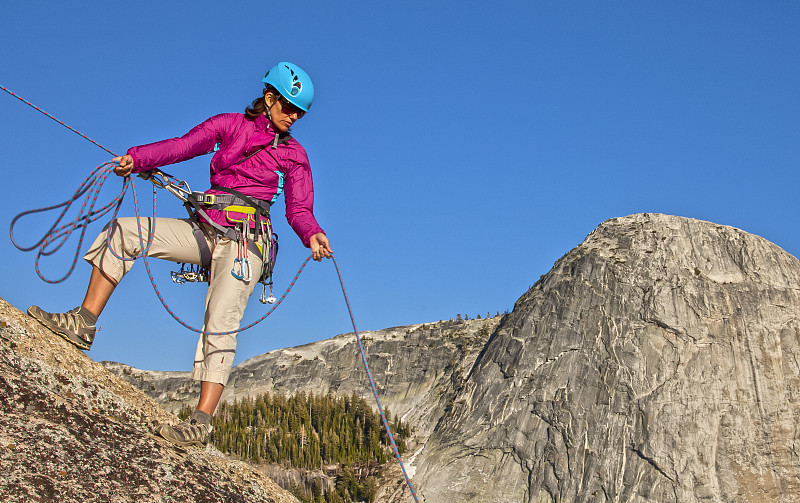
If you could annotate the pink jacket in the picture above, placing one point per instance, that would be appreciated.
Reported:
(235, 136)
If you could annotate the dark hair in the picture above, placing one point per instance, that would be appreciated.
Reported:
(259, 106)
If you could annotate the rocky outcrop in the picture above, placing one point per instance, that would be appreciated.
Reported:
(659, 361)
(172, 390)
(70, 431)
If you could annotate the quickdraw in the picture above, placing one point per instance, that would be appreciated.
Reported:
(242, 260)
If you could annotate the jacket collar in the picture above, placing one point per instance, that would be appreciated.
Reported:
(263, 124)
(265, 133)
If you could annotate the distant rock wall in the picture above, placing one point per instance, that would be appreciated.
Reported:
(416, 368)
(172, 390)
(70, 431)
(659, 361)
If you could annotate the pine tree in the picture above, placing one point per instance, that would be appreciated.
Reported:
(307, 431)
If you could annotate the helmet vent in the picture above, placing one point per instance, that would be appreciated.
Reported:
(297, 86)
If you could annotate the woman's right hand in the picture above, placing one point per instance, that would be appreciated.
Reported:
(125, 165)
(320, 246)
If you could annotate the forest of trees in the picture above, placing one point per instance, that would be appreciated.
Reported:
(310, 431)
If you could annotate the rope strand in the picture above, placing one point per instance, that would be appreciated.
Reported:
(57, 120)
(57, 235)
(372, 384)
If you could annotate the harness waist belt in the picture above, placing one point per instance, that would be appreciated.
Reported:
(222, 201)
(197, 202)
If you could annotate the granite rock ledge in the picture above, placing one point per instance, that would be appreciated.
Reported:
(71, 431)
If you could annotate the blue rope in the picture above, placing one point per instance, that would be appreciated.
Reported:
(372, 384)
(57, 120)
(57, 236)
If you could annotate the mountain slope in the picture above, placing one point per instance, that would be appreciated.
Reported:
(70, 431)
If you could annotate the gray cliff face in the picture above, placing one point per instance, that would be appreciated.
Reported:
(172, 390)
(70, 431)
(658, 361)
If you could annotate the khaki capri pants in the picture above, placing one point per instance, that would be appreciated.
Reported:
(226, 298)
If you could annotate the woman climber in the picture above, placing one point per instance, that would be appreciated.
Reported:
(256, 159)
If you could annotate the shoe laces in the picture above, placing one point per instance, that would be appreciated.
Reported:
(191, 423)
(71, 319)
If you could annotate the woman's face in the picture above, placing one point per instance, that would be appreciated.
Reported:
(283, 113)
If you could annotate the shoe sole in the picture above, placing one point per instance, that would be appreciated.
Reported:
(36, 315)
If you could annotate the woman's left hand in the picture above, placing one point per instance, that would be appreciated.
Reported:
(320, 246)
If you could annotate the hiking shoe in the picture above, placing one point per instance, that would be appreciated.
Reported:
(187, 432)
(70, 325)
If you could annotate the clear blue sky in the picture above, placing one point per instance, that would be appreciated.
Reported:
(459, 148)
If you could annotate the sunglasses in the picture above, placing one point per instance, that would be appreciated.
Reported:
(290, 109)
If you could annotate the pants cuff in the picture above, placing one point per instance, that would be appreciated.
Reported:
(217, 376)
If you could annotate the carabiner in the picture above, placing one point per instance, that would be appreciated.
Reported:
(247, 271)
(239, 275)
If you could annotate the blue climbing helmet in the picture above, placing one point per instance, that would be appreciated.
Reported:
(292, 82)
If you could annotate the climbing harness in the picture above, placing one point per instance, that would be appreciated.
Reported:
(254, 220)
(57, 236)
(255, 216)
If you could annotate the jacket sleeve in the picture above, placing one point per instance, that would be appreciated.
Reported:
(299, 194)
(200, 140)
